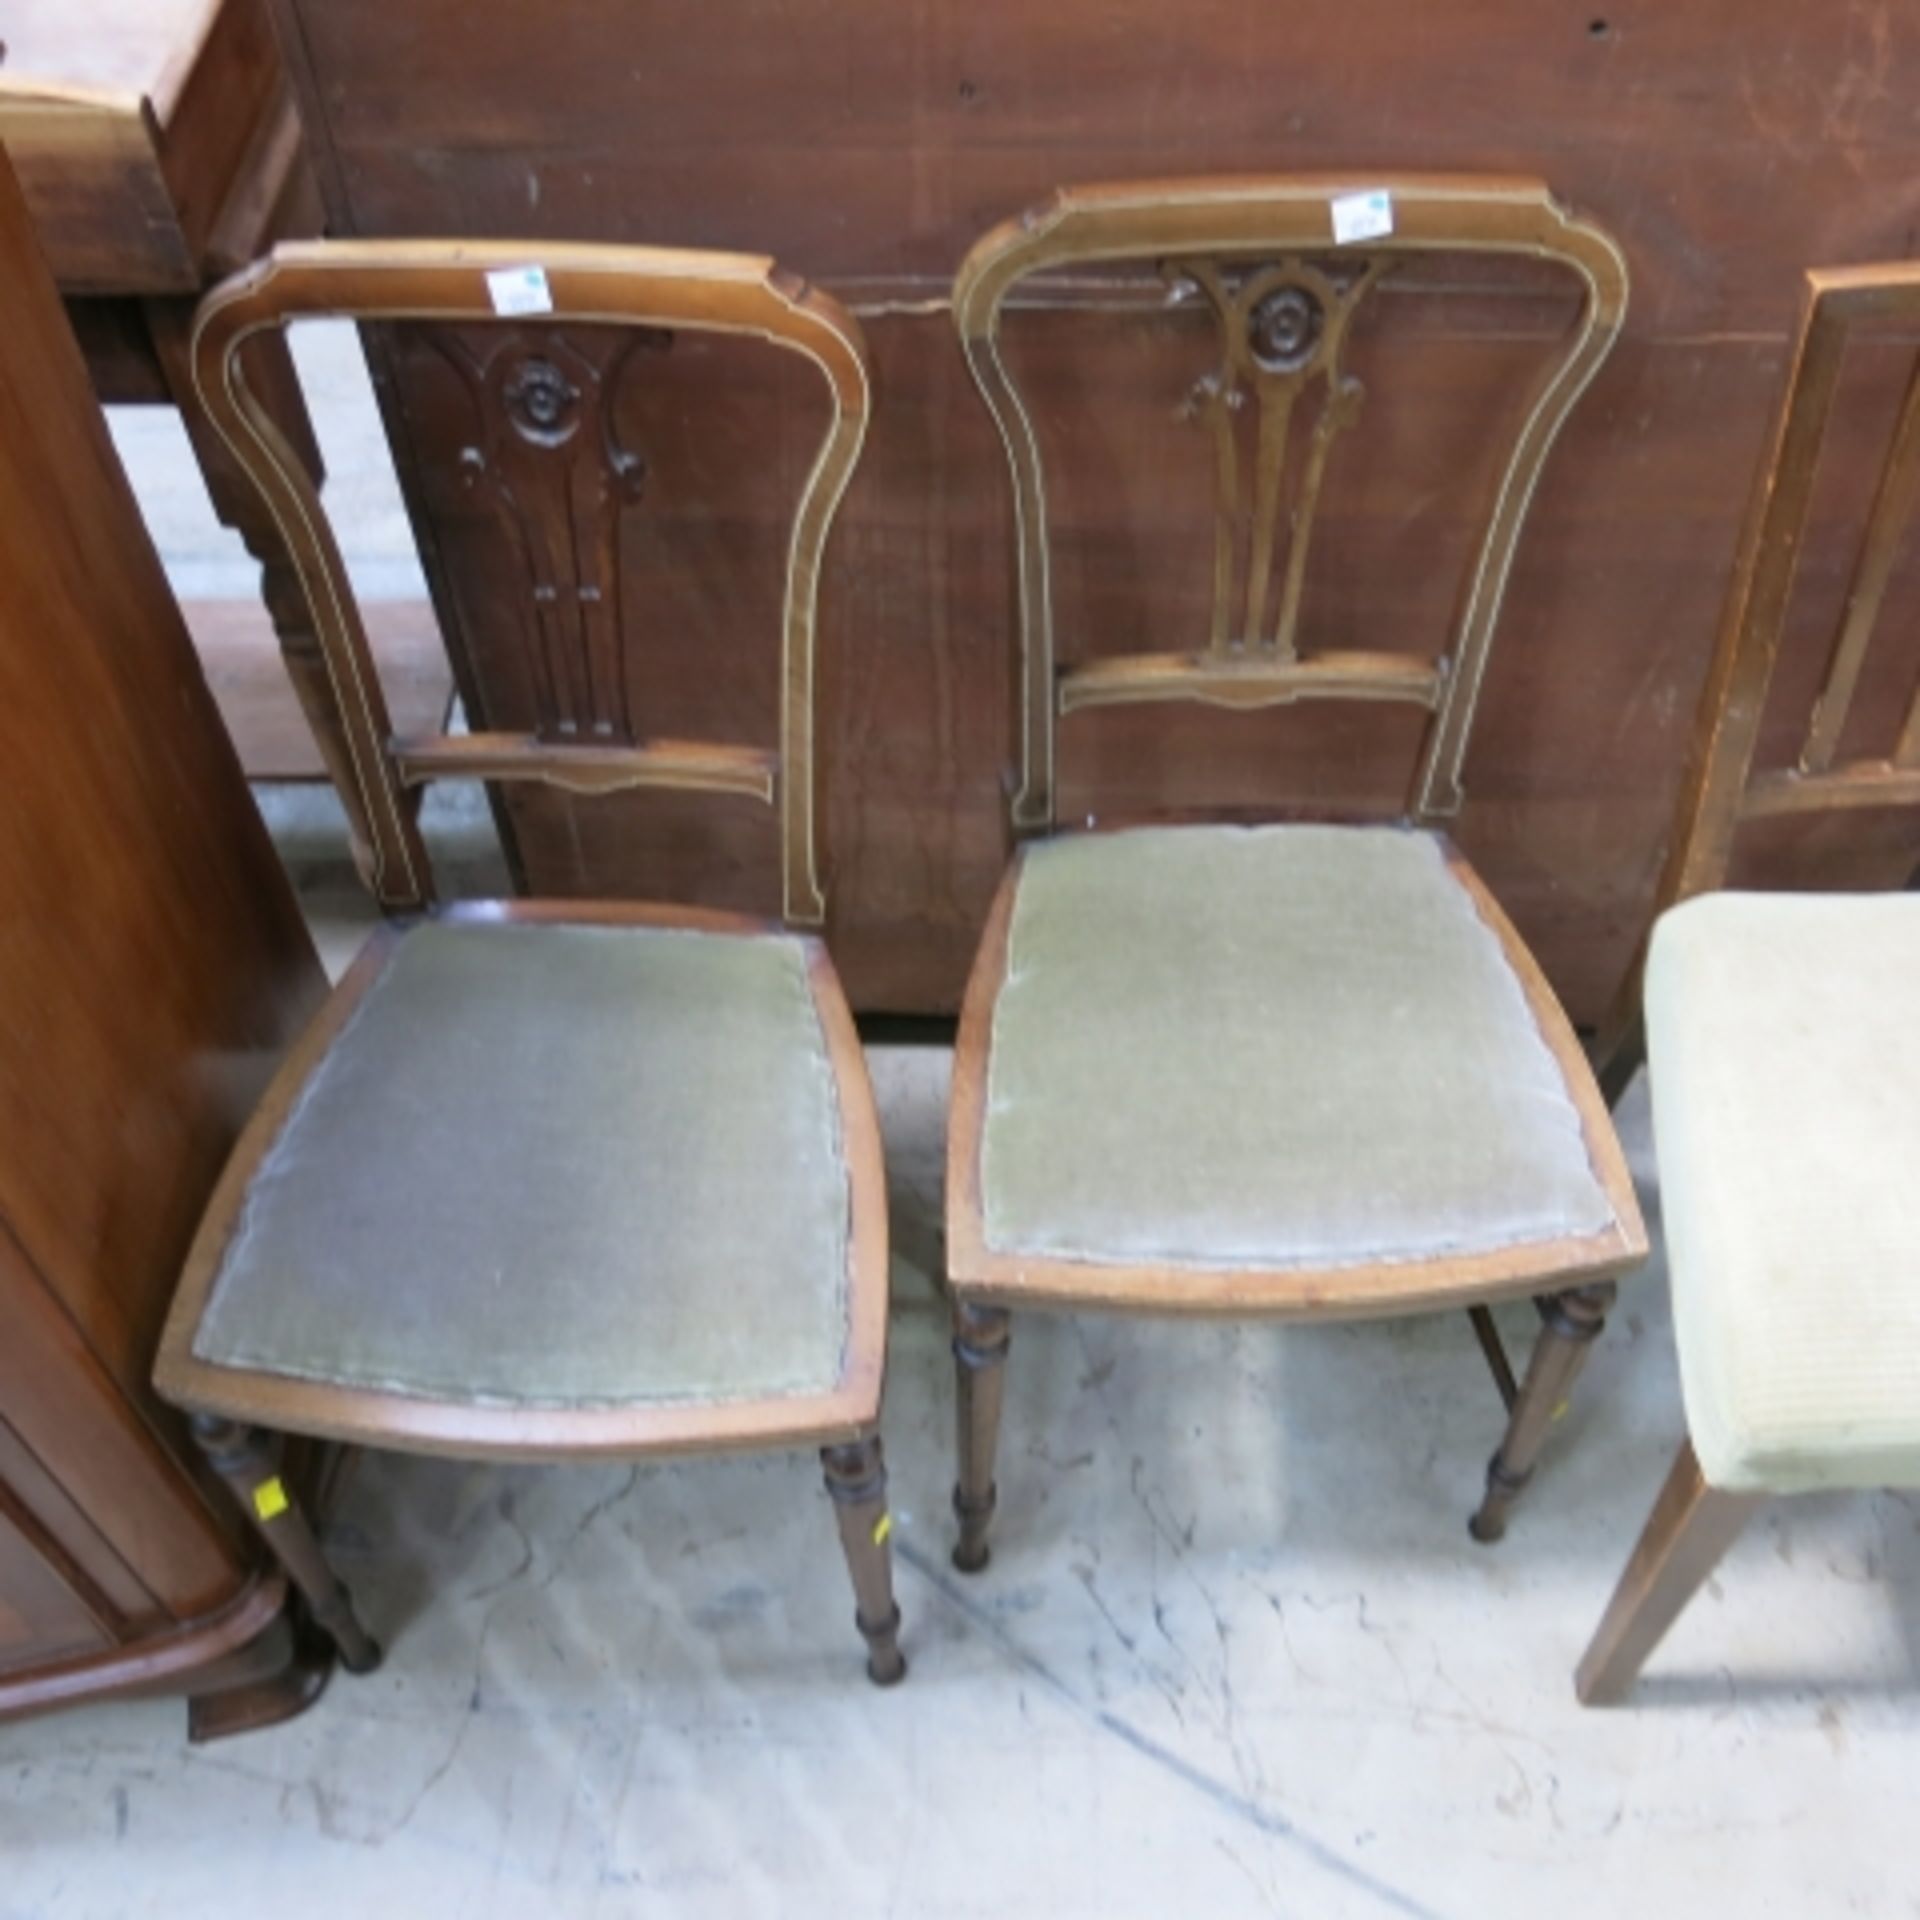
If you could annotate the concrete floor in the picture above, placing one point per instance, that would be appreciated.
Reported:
(1235, 1654)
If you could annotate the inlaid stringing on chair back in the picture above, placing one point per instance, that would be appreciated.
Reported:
(551, 454)
(1261, 253)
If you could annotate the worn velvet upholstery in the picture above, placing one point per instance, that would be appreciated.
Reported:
(1278, 1047)
(556, 1165)
(1783, 1041)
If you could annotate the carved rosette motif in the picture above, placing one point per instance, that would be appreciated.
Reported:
(1282, 330)
(542, 403)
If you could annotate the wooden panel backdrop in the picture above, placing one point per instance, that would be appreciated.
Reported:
(1727, 144)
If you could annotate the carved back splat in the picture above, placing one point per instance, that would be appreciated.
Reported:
(1260, 252)
(1282, 329)
(548, 452)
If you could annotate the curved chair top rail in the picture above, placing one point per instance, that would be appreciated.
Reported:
(586, 742)
(1721, 791)
(1283, 328)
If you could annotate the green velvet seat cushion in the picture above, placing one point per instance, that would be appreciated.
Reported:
(1783, 1044)
(555, 1165)
(1291, 1047)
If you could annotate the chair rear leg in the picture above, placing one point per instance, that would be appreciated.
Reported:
(980, 1340)
(1495, 1353)
(1691, 1526)
(244, 1457)
(1572, 1322)
(857, 1479)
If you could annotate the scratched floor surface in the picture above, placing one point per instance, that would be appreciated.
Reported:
(1235, 1655)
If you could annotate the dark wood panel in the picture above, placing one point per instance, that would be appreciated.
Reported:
(1709, 133)
(1727, 146)
(49, 1510)
(109, 1454)
(40, 1617)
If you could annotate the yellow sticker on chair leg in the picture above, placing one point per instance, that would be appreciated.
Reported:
(881, 1528)
(1560, 1412)
(270, 1499)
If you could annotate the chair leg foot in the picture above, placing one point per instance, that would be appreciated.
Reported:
(1571, 1322)
(857, 1481)
(1691, 1526)
(1488, 1522)
(971, 1556)
(980, 1339)
(886, 1664)
(244, 1457)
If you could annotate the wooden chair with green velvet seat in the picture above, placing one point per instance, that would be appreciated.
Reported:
(1295, 1070)
(1781, 1031)
(552, 1180)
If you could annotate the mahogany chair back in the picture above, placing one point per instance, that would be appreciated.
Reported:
(1722, 791)
(1267, 257)
(549, 451)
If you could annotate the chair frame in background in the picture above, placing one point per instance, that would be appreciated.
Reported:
(558, 413)
(1282, 328)
(1692, 1523)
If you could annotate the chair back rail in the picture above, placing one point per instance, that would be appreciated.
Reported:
(551, 459)
(1721, 791)
(1261, 253)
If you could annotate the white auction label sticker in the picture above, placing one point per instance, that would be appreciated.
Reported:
(1362, 216)
(519, 290)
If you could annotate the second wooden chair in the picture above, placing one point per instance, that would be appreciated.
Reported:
(1300, 1070)
(1782, 1036)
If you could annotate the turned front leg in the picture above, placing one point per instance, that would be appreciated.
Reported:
(857, 1479)
(1571, 1323)
(980, 1340)
(245, 1458)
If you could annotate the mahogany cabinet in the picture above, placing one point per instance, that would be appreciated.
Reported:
(153, 966)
